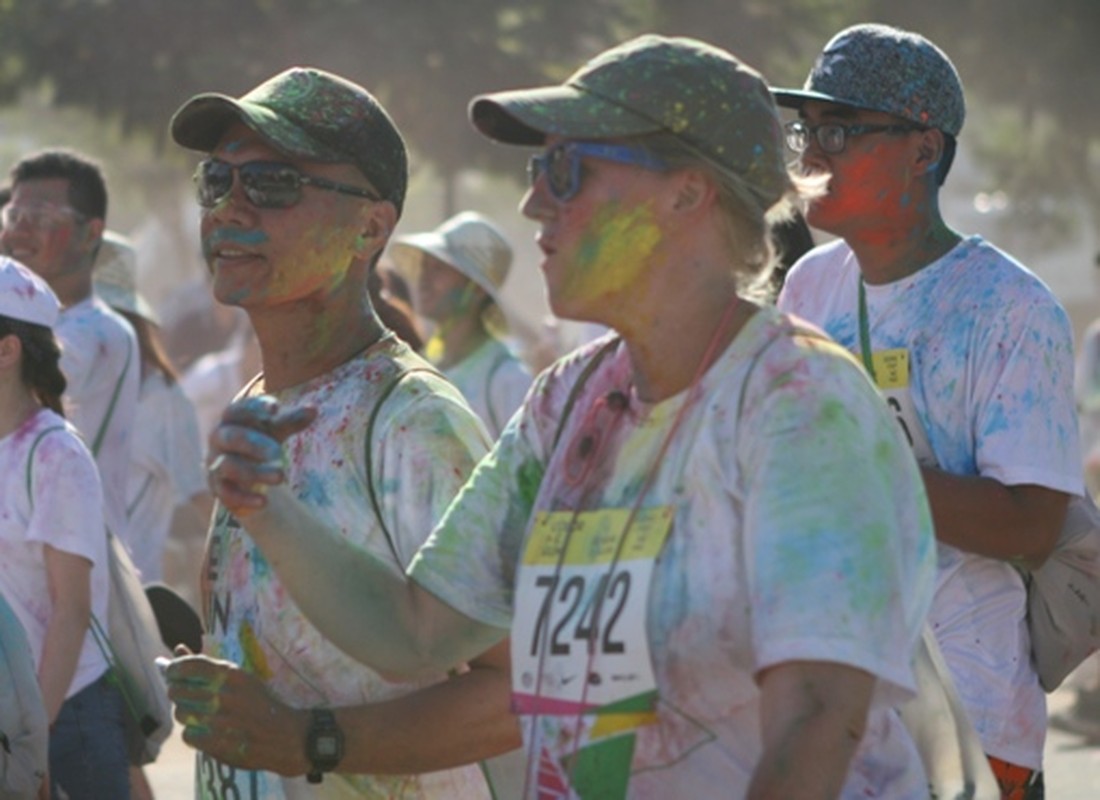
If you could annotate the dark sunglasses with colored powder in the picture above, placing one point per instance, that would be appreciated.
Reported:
(561, 164)
(266, 184)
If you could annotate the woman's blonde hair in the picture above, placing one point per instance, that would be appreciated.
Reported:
(748, 217)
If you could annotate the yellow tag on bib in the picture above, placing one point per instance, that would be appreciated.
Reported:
(891, 368)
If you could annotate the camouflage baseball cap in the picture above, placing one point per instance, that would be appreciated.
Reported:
(306, 113)
(882, 68)
(706, 97)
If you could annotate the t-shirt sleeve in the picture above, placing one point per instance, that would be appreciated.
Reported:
(67, 511)
(470, 559)
(425, 449)
(1025, 421)
(838, 546)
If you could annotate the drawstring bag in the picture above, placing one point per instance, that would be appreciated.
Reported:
(949, 747)
(130, 643)
(1063, 597)
(24, 728)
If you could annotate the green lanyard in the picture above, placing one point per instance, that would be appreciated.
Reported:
(865, 334)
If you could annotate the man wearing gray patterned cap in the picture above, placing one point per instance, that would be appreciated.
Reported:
(973, 352)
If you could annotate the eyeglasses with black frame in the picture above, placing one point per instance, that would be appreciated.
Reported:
(832, 137)
(562, 164)
(266, 184)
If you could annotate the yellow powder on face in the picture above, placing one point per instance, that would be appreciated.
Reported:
(615, 252)
(319, 264)
(434, 349)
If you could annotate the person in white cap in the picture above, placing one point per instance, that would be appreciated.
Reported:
(704, 532)
(973, 351)
(53, 546)
(457, 271)
(165, 451)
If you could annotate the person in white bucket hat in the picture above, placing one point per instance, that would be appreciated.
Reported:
(165, 449)
(457, 271)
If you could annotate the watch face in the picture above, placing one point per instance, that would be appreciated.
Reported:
(326, 746)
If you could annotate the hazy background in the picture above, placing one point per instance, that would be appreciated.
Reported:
(104, 76)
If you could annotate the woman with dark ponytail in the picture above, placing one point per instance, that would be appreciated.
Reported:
(53, 547)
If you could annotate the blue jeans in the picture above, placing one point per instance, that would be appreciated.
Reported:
(88, 759)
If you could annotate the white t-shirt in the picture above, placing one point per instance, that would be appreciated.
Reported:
(990, 355)
(493, 381)
(67, 514)
(799, 530)
(425, 442)
(165, 470)
(99, 355)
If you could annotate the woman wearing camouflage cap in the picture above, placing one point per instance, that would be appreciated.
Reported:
(704, 533)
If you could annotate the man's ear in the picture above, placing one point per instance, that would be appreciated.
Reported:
(377, 225)
(930, 149)
(93, 234)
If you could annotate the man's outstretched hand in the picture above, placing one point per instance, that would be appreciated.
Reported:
(246, 451)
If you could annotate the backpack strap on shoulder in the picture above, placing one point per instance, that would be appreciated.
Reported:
(384, 395)
(578, 385)
(111, 407)
(30, 459)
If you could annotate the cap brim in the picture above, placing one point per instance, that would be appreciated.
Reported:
(202, 121)
(795, 98)
(528, 116)
(406, 252)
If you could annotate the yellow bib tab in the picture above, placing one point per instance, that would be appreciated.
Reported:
(891, 368)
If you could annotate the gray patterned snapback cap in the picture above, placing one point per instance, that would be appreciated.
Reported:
(882, 68)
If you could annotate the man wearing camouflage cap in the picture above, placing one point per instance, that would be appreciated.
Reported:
(303, 184)
(973, 352)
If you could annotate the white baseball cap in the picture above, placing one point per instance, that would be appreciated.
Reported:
(25, 296)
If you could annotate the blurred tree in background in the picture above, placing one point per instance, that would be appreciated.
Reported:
(1030, 70)
(135, 61)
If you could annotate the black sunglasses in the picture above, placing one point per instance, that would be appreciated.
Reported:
(266, 184)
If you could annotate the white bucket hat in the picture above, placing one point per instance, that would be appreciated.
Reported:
(25, 296)
(469, 242)
(115, 277)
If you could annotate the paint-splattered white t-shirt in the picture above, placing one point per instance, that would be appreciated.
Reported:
(424, 444)
(66, 514)
(165, 470)
(99, 357)
(793, 529)
(493, 381)
(990, 374)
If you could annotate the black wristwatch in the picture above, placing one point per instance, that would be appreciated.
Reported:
(324, 744)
